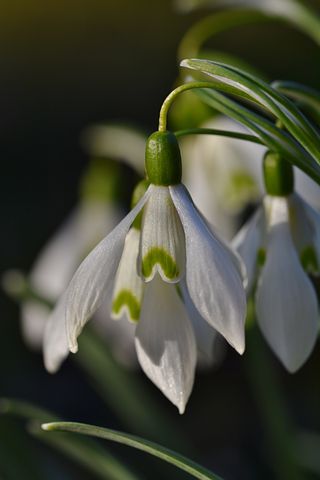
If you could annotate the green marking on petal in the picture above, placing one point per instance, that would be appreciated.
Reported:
(157, 255)
(126, 298)
(309, 261)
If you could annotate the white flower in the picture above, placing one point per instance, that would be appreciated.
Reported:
(284, 233)
(224, 175)
(176, 243)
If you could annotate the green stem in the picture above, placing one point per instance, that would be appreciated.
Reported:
(213, 24)
(221, 133)
(273, 411)
(171, 97)
(88, 453)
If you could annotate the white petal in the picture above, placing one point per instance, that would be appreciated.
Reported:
(205, 334)
(162, 247)
(34, 316)
(94, 279)
(165, 343)
(55, 345)
(223, 175)
(128, 288)
(286, 302)
(213, 281)
(58, 260)
(248, 241)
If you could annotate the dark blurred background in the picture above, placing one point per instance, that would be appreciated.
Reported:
(65, 65)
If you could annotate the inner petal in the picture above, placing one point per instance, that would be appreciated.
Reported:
(128, 289)
(162, 245)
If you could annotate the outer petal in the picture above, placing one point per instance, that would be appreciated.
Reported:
(286, 302)
(213, 281)
(165, 343)
(128, 289)
(34, 316)
(94, 279)
(248, 241)
(55, 345)
(162, 247)
(119, 142)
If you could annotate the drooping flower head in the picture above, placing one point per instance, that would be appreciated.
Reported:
(280, 246)
(161, 264)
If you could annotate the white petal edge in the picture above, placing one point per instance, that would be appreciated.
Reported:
(213, 281)
(165, 343)
(247, 243)
(286, 302)
(94, 279)
(55, 345)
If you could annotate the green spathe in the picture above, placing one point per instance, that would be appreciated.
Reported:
(163, 159)
(158, 255)
(126, 298)
(278, 175)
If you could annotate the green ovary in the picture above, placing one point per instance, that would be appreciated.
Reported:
(157, 255)
(126, 298)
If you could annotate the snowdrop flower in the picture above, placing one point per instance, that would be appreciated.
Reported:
(224, 175)
(279, 246)
(161, 253)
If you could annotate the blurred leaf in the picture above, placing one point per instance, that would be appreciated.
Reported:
(88, 453)
(15, 444)
(135, 442)
(294, 12)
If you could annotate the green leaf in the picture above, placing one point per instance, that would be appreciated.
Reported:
(274, 138)
(233, 80)
(84, 451)
(158, 451)
(305, 96)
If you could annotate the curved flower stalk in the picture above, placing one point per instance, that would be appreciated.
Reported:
(280, 246)
(160, 261)
(223, 175)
